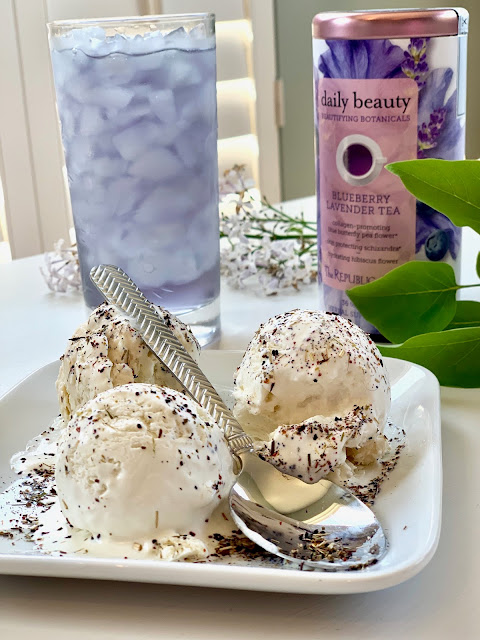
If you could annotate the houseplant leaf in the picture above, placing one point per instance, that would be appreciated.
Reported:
(466, 315)
(412, 299)
(453, 356)
(449, 186)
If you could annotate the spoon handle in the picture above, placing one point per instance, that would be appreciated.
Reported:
(119, 290)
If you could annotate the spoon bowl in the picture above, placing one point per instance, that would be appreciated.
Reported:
(320, 525)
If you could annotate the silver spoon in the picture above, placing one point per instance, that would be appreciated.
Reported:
(320, 525)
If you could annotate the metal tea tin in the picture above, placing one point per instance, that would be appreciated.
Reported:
(388, 86)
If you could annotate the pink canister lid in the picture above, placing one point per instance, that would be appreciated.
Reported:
(395, 23)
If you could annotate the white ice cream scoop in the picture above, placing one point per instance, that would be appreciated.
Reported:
(106, 351)
(320, 525)
(313, 391)
(306, 363)
(139, 462)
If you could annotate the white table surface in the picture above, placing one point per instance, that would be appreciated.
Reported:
(440, 602)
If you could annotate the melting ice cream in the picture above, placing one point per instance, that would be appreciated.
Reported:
(140, 462)
(107, 351)
(313, 390)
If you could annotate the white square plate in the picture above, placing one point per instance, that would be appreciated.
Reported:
(408, 506)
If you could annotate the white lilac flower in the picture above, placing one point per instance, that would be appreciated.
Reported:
(262, 246)
(234, 181)
(62, 270)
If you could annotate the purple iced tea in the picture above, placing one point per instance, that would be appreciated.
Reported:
(137, 105)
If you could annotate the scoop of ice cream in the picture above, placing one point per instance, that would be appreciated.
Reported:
(303, 364)
(107, 351)
(313, 389)
(316, 447)
(140, 462)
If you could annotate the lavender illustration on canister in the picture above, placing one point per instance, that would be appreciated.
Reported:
(388, 86)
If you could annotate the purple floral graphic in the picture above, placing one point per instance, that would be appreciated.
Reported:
(415, 64)
(429, 223)
(439, 130)
(362, 59)
(428, 133)
(439, 136)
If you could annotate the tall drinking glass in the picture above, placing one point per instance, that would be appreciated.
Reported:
(136, 98)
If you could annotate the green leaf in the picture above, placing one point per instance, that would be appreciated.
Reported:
(412, 299)
(453, 356)
(466, 315)
(478, 264)
(449, 186)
